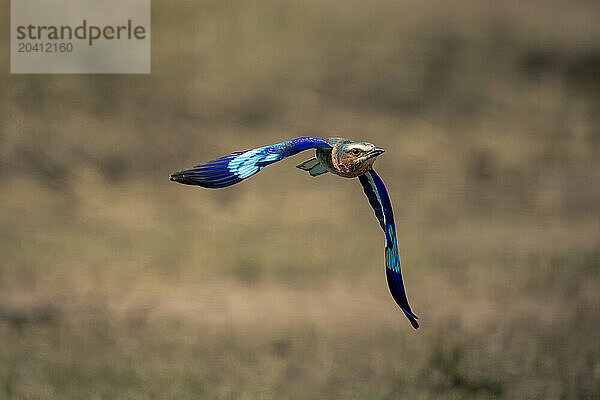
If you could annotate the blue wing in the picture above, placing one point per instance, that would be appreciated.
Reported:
(380, 201)
(237, 166)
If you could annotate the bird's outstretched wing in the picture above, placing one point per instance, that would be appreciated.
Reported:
(237, 166)
(380, 201)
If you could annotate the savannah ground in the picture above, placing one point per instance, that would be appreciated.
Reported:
(116, 283)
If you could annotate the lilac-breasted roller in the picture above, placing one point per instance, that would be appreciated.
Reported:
(339, 156)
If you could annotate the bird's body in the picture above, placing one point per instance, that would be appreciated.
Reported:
(339, 156)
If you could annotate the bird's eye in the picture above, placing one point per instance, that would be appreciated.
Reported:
(355, 152)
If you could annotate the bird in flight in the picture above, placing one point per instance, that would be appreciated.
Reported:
(339, 156)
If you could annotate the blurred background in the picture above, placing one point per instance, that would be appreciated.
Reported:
(116, 283)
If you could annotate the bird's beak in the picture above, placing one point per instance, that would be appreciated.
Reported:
(375, 152)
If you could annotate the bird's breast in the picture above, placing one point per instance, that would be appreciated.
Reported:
(334, 164)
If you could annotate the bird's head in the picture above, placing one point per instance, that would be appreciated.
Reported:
(352, 159)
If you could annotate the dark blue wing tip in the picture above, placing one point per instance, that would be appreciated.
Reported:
(190, 177)
(407, 312)
(212, 175)
(180, 177)
(412, 318)
(402, 303)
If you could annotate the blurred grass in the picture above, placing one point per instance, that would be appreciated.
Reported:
(116, 283)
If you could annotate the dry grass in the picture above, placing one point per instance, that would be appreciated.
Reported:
(116, 283)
